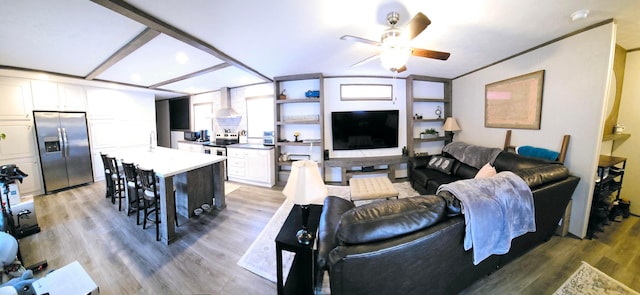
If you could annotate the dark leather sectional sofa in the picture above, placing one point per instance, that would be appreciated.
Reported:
(415, 245)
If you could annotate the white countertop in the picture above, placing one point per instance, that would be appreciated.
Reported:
(165, 161)
(256, 146)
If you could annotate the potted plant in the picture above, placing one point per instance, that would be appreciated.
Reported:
(429, 133)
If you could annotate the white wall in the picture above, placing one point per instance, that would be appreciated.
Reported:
(575, 87)
(628, 116)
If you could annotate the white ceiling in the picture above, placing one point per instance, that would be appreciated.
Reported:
(231, 43)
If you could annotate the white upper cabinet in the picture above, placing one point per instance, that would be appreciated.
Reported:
(16, 99)
(49, 96)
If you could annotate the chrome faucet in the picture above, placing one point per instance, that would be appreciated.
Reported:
(152, 135)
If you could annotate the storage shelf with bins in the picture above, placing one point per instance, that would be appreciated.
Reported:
(298, 113)
(606, 194)
(424, 95)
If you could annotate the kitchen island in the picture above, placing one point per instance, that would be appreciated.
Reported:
(198, 179)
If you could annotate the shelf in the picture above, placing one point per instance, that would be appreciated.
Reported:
(616, 136)
(431, 100)
(298, 100)
(429, 139)
(297, 122)
(428, 120)
(608, 161)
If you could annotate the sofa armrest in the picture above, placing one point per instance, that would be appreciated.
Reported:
(332, 210)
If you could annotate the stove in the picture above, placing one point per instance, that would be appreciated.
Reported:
(218, 146)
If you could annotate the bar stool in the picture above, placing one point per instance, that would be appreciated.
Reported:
(118, 181)
(107, 176)
(135, 203)
(149, 183)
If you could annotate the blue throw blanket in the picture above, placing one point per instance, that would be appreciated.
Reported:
(537, 152)
(496, 210)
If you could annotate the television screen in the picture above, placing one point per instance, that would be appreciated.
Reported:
(364, 129)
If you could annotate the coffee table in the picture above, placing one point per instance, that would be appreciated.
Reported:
(368, 188)
(300, 279)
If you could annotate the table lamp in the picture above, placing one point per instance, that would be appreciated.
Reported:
(450, 126)
(303, 186)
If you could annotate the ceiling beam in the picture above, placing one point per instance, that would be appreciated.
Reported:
(133, 45)
(154, 23)
(191, 75)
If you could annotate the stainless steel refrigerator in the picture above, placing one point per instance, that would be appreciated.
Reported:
(63, 144)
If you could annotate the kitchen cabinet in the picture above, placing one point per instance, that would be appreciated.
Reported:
(16, 99)
(20, 140)
(191, 147)
(49, 96)
(251, 165)
(298, 113)
(424, 96)
(31, 185)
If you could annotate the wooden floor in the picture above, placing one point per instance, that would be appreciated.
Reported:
(80, 224)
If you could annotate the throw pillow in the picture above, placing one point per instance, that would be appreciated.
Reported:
(486, 171)
(442, 164)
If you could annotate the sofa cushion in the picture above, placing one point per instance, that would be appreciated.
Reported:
(421, 176)
(442, 164)
(486, 171)
(387, 219)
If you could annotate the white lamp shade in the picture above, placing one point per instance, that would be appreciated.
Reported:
(305, 185)
(451, 125)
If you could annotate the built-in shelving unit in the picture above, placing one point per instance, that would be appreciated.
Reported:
(298, 113)
(424, 96)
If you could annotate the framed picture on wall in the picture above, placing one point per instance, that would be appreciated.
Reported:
(514, 102)
(366, 92)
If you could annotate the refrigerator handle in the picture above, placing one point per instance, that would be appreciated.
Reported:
(60, 139)
(66, 142)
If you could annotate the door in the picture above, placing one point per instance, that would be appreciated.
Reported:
(51, 149)
(76, 145)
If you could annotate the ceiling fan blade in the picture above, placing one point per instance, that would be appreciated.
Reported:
(402, 69)
(430, 53)
(362, 40)
(366, 60)
(417, 24)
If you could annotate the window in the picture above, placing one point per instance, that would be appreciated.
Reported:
(259, 115)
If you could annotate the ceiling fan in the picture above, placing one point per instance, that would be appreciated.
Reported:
(394, 43)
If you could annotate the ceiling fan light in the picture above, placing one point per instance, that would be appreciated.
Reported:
(394, 58)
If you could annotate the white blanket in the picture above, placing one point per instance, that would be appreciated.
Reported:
(496, 210)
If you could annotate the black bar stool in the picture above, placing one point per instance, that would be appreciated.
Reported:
(107, 176)
(149, 183)
(133, 190)
(118, 182)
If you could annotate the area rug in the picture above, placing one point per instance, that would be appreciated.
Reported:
(260, 258)
(588, 280)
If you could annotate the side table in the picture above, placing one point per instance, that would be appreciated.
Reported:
(300, 279)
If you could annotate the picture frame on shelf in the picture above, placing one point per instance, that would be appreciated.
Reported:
(515, 102)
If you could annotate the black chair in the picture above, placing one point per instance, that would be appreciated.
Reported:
(107, 176)
(151, 195)
(133, 190)
(117, 179)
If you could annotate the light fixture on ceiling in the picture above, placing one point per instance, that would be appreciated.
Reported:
(395, 49)
(182, 58)
(579, 14)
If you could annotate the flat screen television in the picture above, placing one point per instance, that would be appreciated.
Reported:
(355, 130)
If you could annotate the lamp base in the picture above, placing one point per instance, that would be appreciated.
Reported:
(304, 236)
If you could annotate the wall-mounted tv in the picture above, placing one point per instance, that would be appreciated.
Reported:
(355, 130)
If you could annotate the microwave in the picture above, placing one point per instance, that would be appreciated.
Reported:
(191, 136)
(268, 138)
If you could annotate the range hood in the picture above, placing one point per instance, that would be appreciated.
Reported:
(225, 110)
